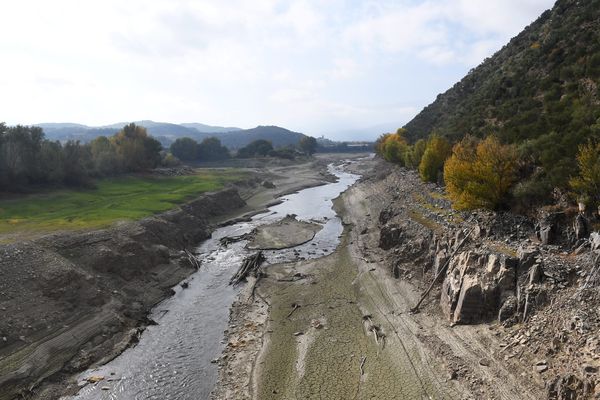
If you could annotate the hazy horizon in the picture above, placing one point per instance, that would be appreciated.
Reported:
(335, 70)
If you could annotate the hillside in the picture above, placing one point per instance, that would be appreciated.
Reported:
(166, 133)
(540, 91)
(279, 137)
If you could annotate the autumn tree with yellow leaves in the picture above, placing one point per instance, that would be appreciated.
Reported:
(587, 183)
(479, 174)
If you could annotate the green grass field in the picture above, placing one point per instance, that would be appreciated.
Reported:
(113, 199)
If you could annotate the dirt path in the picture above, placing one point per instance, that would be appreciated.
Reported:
(344, 332)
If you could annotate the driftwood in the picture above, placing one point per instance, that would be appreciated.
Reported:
(227, 240)
(442, 270)
(296, 306)
(250, 265)
(362, 364)
(194, 262)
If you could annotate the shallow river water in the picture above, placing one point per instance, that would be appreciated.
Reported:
(173, 359)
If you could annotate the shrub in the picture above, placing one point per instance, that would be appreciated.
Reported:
(587, 183)
(480, 174)
(432, 163)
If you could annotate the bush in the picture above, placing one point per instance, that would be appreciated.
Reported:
(432, 163)
(587, 183)
(480, 174)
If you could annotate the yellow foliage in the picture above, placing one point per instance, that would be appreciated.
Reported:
(436, 152)
(480, 174)
(587, 183)
(392, 146)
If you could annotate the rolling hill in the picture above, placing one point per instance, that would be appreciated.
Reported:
(166, 133)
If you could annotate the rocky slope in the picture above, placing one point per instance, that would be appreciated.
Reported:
(534, 281)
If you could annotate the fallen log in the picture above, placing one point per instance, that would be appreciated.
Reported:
(250, 265)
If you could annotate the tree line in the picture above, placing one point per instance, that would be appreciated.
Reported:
(486, 173)
(28, 158)
(210, 149)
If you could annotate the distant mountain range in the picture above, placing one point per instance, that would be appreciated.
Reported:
(167, 133)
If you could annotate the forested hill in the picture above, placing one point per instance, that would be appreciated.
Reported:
(166, 133)
(540, 91)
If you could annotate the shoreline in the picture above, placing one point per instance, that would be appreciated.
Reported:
(309, 174)
(352, 334)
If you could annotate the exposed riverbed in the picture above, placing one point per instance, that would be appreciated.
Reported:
(173, 358)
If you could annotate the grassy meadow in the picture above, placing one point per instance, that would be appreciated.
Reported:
(112, 199)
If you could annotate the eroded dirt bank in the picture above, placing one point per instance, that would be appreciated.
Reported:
(69, 300)
(513, 315)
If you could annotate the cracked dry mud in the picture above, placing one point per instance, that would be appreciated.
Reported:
(314, 338)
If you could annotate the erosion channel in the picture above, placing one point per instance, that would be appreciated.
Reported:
(174, 359)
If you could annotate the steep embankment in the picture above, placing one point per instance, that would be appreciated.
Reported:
(540, 91)
(72, 298)
(519, 276)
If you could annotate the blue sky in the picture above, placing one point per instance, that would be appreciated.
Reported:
(343, 68)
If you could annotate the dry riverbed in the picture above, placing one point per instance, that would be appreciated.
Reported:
(339, 327)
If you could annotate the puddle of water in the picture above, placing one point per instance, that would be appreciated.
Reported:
(173, 359)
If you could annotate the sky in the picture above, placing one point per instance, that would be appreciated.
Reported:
(344, 68)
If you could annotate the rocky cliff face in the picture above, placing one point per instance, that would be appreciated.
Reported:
(68, 299)
(535, 279)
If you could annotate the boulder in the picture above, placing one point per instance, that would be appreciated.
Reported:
(508, 309)
(595, 241)
(390, 236)
(469, 305)
(526, 257)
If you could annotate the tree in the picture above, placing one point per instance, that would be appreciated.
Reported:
(479, 174)
(136, 150)
(104, 157)
(392, 146)
(186, 149)
(308, 144)
(414, 154)
(258, 147)
(587, 183)
(436, 152)
(211, 149)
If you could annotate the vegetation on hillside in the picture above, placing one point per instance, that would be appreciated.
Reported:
(540, 95)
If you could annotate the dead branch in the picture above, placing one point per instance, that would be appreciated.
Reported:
(362, 364)
(296, 306)
(250, 265)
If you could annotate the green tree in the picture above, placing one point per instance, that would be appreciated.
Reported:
(436, 152)
(186, 149)
(256, 148)
(211, 149)
(104, 157)
(308, 144)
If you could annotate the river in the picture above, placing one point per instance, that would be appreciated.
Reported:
(173, 358)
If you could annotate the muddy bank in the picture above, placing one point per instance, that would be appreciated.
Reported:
(283, 234)
(72, 299)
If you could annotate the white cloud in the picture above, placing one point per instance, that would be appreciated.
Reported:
(304, 63)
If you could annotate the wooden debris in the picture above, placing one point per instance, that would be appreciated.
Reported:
(362, 364)
(250, 266)
(194, 262)
(295, 307)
